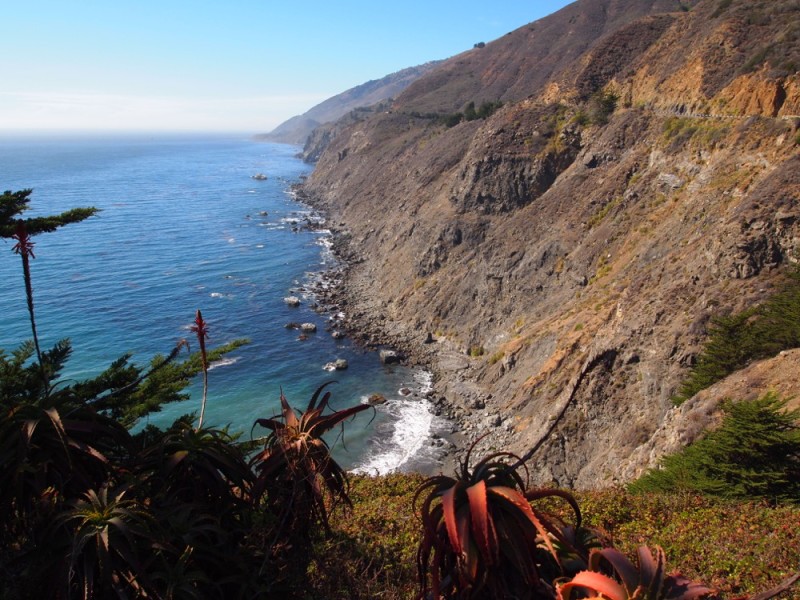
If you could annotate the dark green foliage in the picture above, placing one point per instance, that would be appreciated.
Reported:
(754, 454)
(486, 110)
(736, 340)
(13, 204)
(451, 120)
(730, 345)
(600, 106)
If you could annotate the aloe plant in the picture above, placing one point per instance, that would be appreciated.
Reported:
(483, 538)
(111, 544)
(295, 469)
(613, 576)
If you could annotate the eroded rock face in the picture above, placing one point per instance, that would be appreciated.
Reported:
(569, 268)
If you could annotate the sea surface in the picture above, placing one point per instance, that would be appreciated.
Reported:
(184, 226)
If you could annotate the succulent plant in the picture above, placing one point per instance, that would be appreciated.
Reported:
(483, 538)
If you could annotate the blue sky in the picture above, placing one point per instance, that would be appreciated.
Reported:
(240, 65)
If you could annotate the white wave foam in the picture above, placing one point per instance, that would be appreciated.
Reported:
(222, 362)
(411, 426)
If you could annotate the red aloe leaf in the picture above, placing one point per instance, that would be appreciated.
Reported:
(518, 501)
(449, 507)
(653, 570)
(513, 545)
(58, 426)
(328, 422)
(479, 512)
(545, 493)
(272, 424)
(289, 417)
(620, 563)
(435, 573)
(313, 402)
(468, 559)
(594, 582)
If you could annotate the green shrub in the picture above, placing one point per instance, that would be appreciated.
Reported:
(754, 454)
(600, 106)
(736, 340)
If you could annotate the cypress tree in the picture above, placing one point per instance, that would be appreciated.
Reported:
(754, 453)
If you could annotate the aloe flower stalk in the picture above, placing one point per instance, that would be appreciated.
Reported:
(200, 328)
(24, 247)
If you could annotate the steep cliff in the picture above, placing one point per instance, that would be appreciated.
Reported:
(568, 252)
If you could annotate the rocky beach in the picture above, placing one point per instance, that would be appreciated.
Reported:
(346, 294)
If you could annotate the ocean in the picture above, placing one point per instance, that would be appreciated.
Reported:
(183, 225)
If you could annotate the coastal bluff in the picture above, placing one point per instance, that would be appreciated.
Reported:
(564, 256)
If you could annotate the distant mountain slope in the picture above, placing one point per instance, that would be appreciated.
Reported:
(568, 252)
(521, 62)
(297, 129)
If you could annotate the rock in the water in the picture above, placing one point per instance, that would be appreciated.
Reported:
(404, 391)
(376, 399)
(389, 356)
(308, 328)
(340, 364)
(337, 335)
(292, 300)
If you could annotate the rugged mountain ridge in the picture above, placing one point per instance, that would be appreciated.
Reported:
(567, 254)
(297, 129)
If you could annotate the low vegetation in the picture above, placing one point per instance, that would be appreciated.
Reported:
(470, 113)
(738, 339)
(90, 510)
(755, 453)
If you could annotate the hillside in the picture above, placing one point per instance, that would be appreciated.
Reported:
(567, 253)
(297, 129)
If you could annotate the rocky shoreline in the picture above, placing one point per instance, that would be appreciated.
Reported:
(346, 294)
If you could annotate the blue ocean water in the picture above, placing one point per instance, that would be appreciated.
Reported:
(184, 226)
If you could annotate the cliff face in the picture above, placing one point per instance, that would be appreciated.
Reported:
(568, 258)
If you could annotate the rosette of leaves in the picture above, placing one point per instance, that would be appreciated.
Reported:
(483, 538)
(110, 545)
(295, 470)
(613, 576)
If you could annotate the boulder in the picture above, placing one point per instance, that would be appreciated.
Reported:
(292, 300)
(389, 356)
(308, 328)
(376, 399)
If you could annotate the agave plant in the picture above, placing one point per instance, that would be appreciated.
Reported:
(53, 449)
(196, 466)
(110, 546)
(482, 537)
(295, 469)
(611, 575)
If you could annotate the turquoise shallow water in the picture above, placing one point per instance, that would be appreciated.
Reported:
(184, 226)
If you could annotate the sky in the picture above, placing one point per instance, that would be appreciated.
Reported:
(209, 65)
